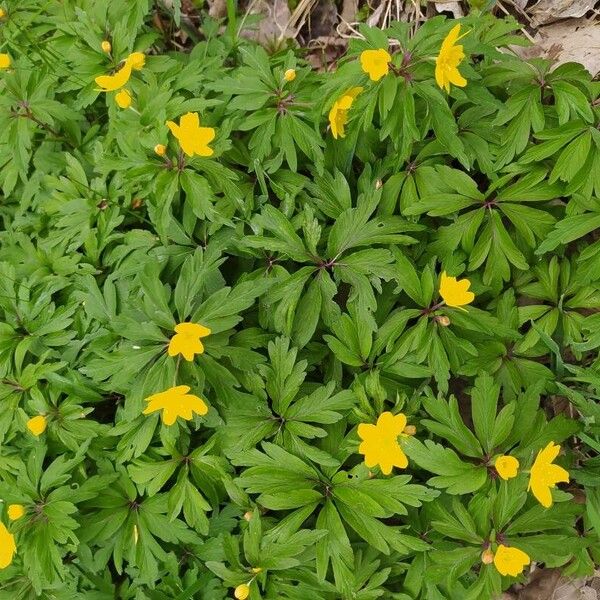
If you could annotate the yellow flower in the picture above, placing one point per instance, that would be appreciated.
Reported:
(37, 425)
(15, 511)
(510, 561)
(338, 115)
(242, 591)
(507, 466)
(290, 75)
(7, 546)
(447, 61)
(4, 61)
(192, 138)
(160, 149)
(176, 402)
(186, 340)
(455, 293)
(375, 63)
(123, 99)
(544, 475)
(380, 442)
(106, 46)
(111, 83)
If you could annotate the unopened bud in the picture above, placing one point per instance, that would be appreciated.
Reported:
(256, 570)
(242, 591)
(290, 75)
(442, 320)
(160, 149)
(378, 184)
(248, 515)
(106, 46)
(410, 430)
(487, 557)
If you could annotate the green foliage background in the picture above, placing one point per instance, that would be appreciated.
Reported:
(315, 263)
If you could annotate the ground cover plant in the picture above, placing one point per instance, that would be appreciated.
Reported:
(268, 332)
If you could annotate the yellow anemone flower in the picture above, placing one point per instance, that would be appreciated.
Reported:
(176, 402)
(338, 115)
(186, 340)
(375, 63)
(110, 83)
(544, 475)
(123, 99)
(507, 466)
(37, 425)
(15, 511)
(7, 546)
(510, 561)
(192, 138)
(455, 293)
(380, 442)
(4, 61)
(447, 61)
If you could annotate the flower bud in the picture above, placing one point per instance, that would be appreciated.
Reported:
(106, 46)
(160, 149)
(442, 320)
(15, 511)
(487, 557)
(123, 99)
(256, 570)
(410, 430)
(290, 75)
(37, 425)
(248, 515)
(242, 591)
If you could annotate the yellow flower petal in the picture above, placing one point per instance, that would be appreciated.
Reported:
(338, 115)
(375, 63)
(380, 444)
(447, 61)
(136, 60)
(4, 61)
(510, 561)
(37, 425)
(192, 138)
(175, 402)
(455, 293)
(15, 511)
(110, 83)
(7, 546)
(544, 475)
(507, 466)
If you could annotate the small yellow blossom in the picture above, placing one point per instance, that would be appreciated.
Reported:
(376, 63)
(37, 425)
(106, 46)
(447, 61)
(15, 511)
(380, 442)
(160, 149)
(7, 546)
(192, 138)
(242, 591)
(290, 75)
(110, 83)
(176, 402)
(506, 466)
(123, 99)
(186, 340)
(4, 61)
(544, 475)
(455, 293)
(338, 115)
(510, 561)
